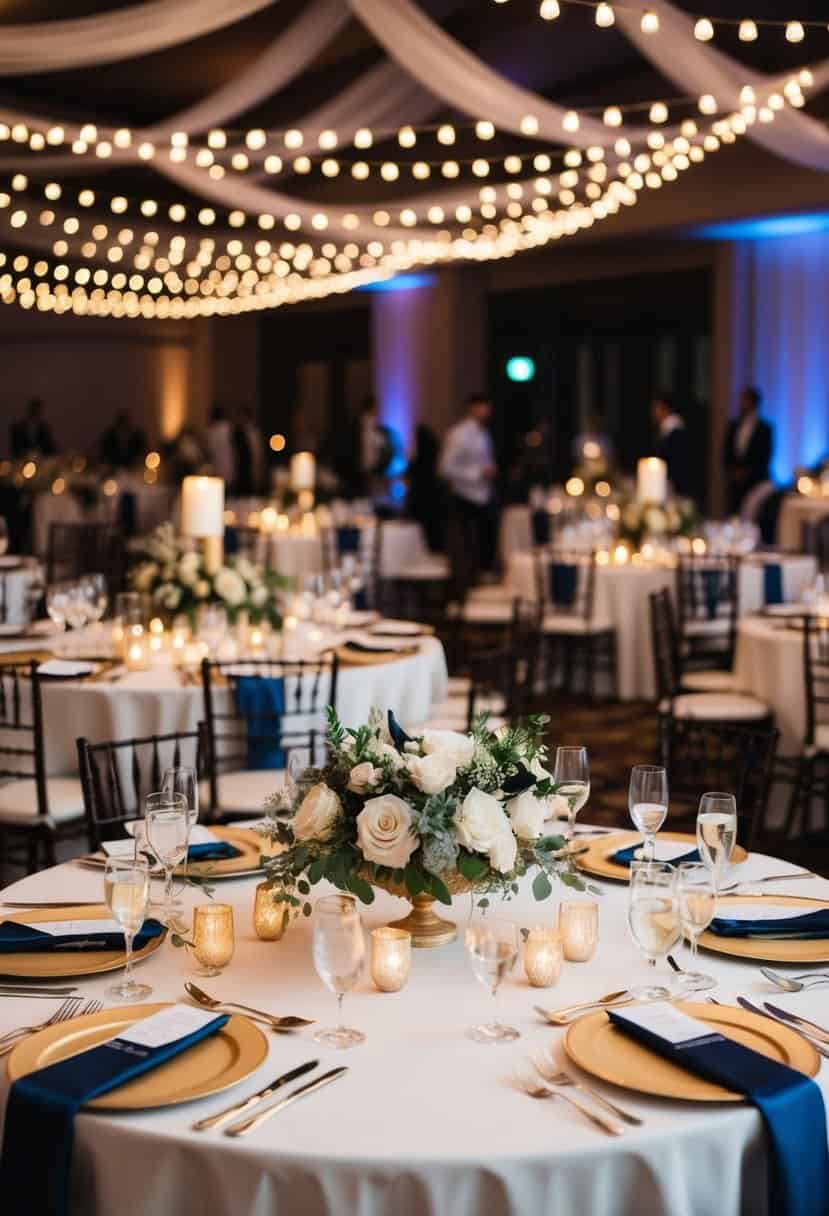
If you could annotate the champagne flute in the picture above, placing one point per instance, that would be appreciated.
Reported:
(95, 590)
(56, 602)
(127, 890)
(492, 947)
(572, 776)
(183, 779)
(697, 902)
(648, 803)
(716, 831)
(653, 918)
(339, 957)
(167, 819)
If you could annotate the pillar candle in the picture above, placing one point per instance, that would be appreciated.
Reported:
(202, 506)
(651, 480)
(303, 471)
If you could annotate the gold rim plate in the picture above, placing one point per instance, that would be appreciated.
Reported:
(358, 658)
(55, 965)
(251, 846)
(219, 1061)
(598, 857)
(595, 1045)
(815, 950)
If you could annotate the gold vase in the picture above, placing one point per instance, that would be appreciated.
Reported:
(426, 927)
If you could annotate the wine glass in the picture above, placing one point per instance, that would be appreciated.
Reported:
(572, 776)
(183, 779)
(95, 590)
(697, 902)
(76, 610)
(716, 831)
(648, 803)
(127, 890)
(339, 957)
(653, 917)
(300, 759)
(167, 820)
(492, 947)
(56, 603)
(212, 625)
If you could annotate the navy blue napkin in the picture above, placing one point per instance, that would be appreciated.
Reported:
(231, 540)
(773, 583)
(348, 539)
(16, 938)
(261, 699)
(790, 1103)
(564, 577)
(36, 1159)
(624, 857)
(540, 524)
(213, 850)
(807, 925)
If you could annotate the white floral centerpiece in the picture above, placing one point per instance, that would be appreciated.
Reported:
(423, 817)
(176, 578)
(639, 520)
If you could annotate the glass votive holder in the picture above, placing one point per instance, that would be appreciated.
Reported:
(137, 655)
(213, 940)
(391, 958)
(269, 917)
(542, 956)
(578, 924)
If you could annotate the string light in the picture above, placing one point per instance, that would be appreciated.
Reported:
(747, 31)
(795, 32)
(650, 22)
(549, 10)
(604, 16)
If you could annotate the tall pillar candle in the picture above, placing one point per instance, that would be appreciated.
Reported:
(303, 471)
(651, 480)
(202, 506)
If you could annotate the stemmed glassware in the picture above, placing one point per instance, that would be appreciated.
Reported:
(572, 776)
(56, 603)
(339, 958)
(653, 918)
(697, 903)
(183, 779)
(167, 820)
(716, 832)
(95, 590)
(212, 625)
(492, 947)
(127, 891)
(648, 803)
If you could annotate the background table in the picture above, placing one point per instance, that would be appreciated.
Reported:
(769, 665)
(426, 1122)
(622, 598)
(798, 509)
(154, 504)
(402, 545)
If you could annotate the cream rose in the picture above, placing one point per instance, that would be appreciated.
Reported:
(460, 748)
(230, 586)
(384, 831)
(479, 821)
(317, 814)
(503, 852)
(362, 777)
(527, 814)
(385, 751)
(432, 774)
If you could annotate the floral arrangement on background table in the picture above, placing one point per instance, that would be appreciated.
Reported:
(176, 577)
(640, 520)
(423, 818)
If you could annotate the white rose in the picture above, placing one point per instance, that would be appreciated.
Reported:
(538, 770)
(460, 748)
(363, 777)
(385, 751)
(229, 586)
(503, 852)
(384, 831)
(201, 590)
(188, 569)
(317, 814)
(245, 569)
(259, 596)
(479, 821)
(432, 774)
(527, 814)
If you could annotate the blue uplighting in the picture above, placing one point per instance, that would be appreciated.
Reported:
(520, 369)
(762, 227)
(400, 282)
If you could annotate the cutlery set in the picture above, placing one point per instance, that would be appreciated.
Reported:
(244, 1126)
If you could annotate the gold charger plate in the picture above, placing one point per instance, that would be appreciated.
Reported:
(251, 846)
(597, 858)
(363, 658)
(219, 1061)
(815, 950)
(54, 965)
(594, 1043)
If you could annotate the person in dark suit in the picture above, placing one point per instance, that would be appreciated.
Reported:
(747, 450)
(122, 444)
(672, 443)
(32, 435)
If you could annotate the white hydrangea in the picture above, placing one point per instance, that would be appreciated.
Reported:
(230, 587)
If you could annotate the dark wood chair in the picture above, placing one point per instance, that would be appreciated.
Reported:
(702, 756)
(246, 751)
(75, 549)
(811, 767)
(578, 646)
(707, 600)
(117, 775)
(36, 810)
(361, 546)
(815, 540)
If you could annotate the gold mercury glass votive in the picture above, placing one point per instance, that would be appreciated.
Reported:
(268, 915)
(213, 940)
(391, 958)
(542, 956)
(578, 924)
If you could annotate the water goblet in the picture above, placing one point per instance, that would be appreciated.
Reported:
(167, 821)
(95, 589)
(339, 957)
(56, 603)
(653, 918)
(183, 779)
(697, 903)
(492, 948)
(572, 776)
(648, 803)
(716, 831)
(126, 891)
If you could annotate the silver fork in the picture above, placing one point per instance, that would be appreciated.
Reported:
(558, 1078)
(531, 1087)
(67, 1009)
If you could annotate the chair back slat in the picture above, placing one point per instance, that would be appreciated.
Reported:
(22, 755)
(708, 606)
(816, 674)
(566, 582)
(663, 644)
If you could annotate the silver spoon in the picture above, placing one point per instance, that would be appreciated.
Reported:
(209, 1002)
(796, 983)
(560, 1017)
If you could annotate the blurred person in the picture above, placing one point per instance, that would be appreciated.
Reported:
(219, 443)
(122, 444)
(249, 451)
(747, 449)
(673, 444)
(467, 465)
(425, 496)
(31, 435)
(376, 449)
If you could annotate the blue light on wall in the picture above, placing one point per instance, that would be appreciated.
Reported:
(520, 369)
(762, 227)
(400, 282)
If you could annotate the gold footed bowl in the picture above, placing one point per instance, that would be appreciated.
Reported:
(426, 927)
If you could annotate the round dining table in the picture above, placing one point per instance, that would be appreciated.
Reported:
(298, 556)
(769, 665)
(425, 1122)
(797, 510)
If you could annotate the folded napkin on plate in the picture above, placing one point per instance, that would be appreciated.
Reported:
(348, 539)
(204, 846)
(261, 700)
(791, 1104)
(70, 935)
(772, 583)
(624, 857)
(564, 582)
(39, 1125)
(797, 925)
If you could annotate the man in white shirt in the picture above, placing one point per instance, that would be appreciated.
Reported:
(467, 465)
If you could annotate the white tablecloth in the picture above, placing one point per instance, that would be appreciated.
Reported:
(16, 580)
(426, 1123)
(514, 531)
(402, 545)
(797, 510)
(769, 665)
(622, 598)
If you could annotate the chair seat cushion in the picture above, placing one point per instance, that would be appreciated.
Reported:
(428, 569)
(560, 622)
(708, 681)
(18, 801)
(245, 790)
(487, 612)
(704, 629)
(719, 707)
(821, 743)
(491, 592)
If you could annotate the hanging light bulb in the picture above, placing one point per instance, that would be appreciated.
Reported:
(707, 104)
(747, 97)
(659, 112)
(529, 125)
(406, 137)
(570, 121)
(446, 134)
(612, 117)
(484, 129)
(703, 30)
(363, 138)
(604, 16)
(549, 10)
(795, 32)
(650, 22)
(747, 31)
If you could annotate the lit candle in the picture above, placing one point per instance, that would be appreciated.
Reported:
(256, 639)
(269, 917)
(698, 546)
(213, 939)
(578, 924)
(651, 480)
(136, 649)
(268, 518)
(542, 957)
(202, 506)
(391, 958)
(303, 471)
(621, 554)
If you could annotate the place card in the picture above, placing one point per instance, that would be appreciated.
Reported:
(661, 1019)
(119, 848)
(762, 911)
(79, 928)
(167, 1026)
(202, 835)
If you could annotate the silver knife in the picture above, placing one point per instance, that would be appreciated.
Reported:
(22, 990)
(62, 903)
(249, 1125)
(811, 1028)
(211, 1121)
(765, 1013)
